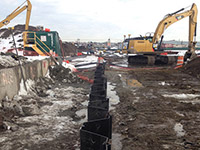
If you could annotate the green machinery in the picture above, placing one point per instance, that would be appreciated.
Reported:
(44, 43)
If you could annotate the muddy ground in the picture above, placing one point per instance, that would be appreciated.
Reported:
(147, 120)
(158, 109)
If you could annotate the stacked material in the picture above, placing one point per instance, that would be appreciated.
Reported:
(97, 132)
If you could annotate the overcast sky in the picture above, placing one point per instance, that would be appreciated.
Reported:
(98, 20)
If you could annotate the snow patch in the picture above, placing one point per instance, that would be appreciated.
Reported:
(6, 44)
(70, 66)
(33, 58)
(182, 96)
(87, 66)
(112, 95)
(88, 59)
(163, 83)
(8, 61)
(178, 128)
(29, 83)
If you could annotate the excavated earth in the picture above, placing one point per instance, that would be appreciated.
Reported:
(158, 109)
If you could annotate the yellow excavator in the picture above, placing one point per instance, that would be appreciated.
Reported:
(16, 12)
(147, 49)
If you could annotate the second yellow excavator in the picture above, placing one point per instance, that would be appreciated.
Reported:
(148, 48)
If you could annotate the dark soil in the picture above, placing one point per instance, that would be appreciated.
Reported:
(193, 67)
(2, 67)
(146, 119)
(69, 49)
(63, 74)
(17, 30)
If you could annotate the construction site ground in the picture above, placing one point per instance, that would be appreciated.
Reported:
(152, 108)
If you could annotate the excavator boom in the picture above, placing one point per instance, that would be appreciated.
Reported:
(16, 12)
(177, 16)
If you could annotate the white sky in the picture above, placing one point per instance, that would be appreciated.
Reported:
(98, 20)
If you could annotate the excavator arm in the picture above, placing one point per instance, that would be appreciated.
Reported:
(16, 12)
(192, 28)
(174, 17)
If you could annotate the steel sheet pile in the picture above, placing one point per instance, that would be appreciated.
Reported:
(96, 133)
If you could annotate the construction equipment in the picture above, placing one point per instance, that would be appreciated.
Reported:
(16, 12)
(44, 43)
(147, 49)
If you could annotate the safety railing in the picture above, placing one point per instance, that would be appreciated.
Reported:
(32, 40)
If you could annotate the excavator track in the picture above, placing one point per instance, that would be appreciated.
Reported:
(151, 60)
(141, 60)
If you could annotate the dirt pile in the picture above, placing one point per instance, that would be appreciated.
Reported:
(63, 75)
(192, 68)
(18, 29)
(69, 49)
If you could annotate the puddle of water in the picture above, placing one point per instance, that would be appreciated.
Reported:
(178, 128)
(116, 141)
(112, 95)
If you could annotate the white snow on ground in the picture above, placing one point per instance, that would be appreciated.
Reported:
(178, 128)
(48, 121)
(68, 65)
(182, 96)
(112, 95)
(181, 52)
(163, 83)
(119, 55)
(194, 101)
(33, 58)
(87, 59)
(7, 43)
(20, 53)
(87, 66)
(24, 91)
(8, 61)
